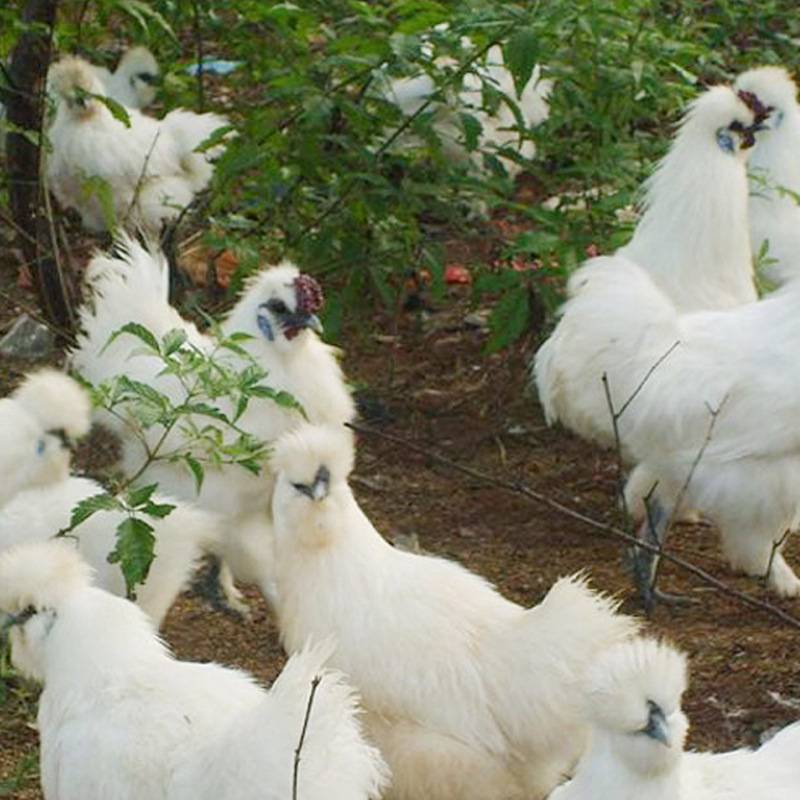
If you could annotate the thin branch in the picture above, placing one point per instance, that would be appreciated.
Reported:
(646, 378)
(314, 684)
(714, 412)
(198, 44)
(140, 180)
(596, 525)
(776, 546)
(626, 514)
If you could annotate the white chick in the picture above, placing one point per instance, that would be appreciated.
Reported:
(278, 310)
(120, 718)
(468, 695)
(150, 168)
(636, 752)
(775, 170)
(133, 82)
(693, 236)
(38, 422)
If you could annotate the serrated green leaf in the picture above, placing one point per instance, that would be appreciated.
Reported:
(137, 330)
(140, 496)
(217, 137)
(118, 111)
(173, 340)
(134, 552)
(90, 505)
(520, 56)
(472, 130)
(509, 319)
(196, 468)
(159, 510)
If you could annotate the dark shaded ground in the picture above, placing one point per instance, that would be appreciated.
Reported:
(440, 391)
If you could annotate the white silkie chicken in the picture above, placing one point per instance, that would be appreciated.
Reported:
(468, 695)
(278, 310)
(636, 751)
(37, 502)
(121, 719)
(774, 167)
(133, 82)
(740, 363)
(150, 168)
(37, 423)
(499, 128)
(693, 237)
(693, 242)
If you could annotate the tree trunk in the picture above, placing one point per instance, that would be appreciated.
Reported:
(25, 107)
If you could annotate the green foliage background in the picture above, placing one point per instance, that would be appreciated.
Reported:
(310, 176)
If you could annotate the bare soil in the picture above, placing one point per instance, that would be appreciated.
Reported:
(429, 382)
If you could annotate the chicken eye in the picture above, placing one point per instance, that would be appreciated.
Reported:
(277, 306)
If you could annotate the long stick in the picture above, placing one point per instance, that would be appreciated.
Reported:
(298, 750)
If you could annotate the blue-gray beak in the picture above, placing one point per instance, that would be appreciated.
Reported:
(318, 490)
(657, 727)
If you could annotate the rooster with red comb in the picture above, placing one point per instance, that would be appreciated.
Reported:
(278, 310)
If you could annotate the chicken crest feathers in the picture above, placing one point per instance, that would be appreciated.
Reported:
(71, 73)
(628, 675)
(41, 574)
(56, 401)
(299, 453)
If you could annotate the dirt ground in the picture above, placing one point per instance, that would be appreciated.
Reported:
(429, 383)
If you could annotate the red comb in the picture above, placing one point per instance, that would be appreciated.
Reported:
(309, 294)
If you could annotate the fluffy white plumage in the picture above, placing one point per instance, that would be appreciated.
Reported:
(273, 311)
(693, 236)
(150, 167)
(469, 696)
(742, 360)
(133, 81)
(36, 423)
(499, 129)
(638, 729)
(120, 718)
(775, 216)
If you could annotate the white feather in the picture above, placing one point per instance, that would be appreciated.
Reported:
(121, 719)
(624, 763)
(467, 694)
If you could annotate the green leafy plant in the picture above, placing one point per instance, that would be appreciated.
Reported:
(209, 436)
